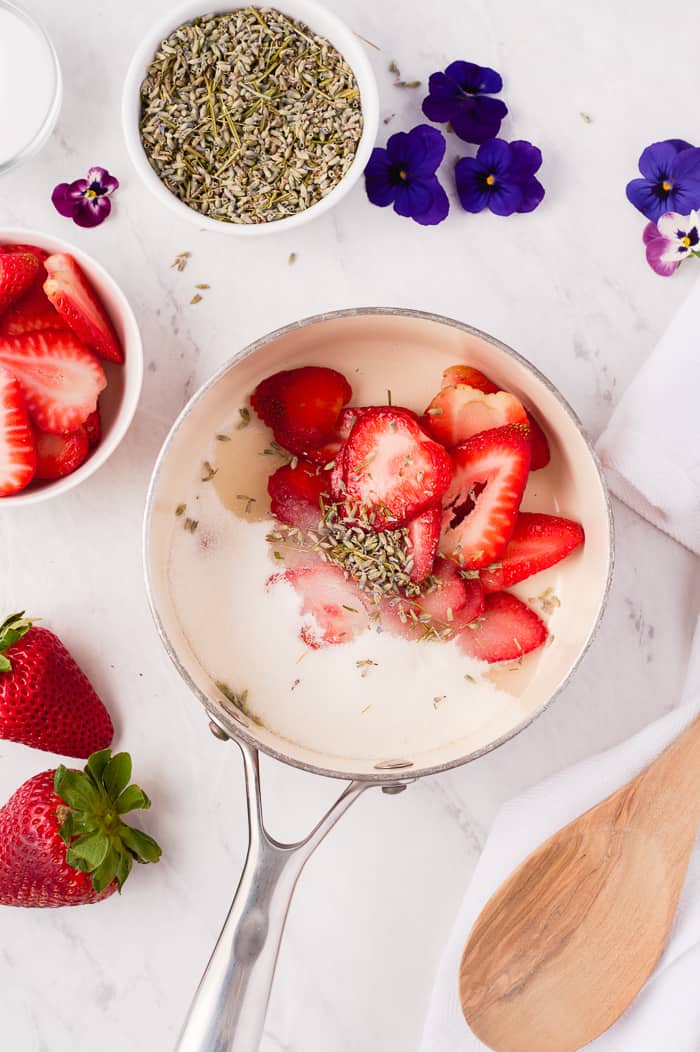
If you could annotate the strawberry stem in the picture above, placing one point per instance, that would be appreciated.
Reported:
(97, 840)
(12, 629)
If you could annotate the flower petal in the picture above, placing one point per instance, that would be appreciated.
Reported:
(683, 198)
(669, 224)
(412, 199)
(643, 195)
(656, 160)
(506, 198)
(442, 94)
(106, 182)
(65, 199)
(469, 184)
(655, 248)
(525, 159)
(478, 119)
(426, 151)
(650, 232)
(475, 79)
(494, 157)
(532, 194)
(92, 212)
(438, 209)
(379, 186)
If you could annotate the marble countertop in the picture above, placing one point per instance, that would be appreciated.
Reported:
(568, 287)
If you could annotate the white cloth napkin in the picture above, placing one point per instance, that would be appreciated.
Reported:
(651, 451)
(651, 448)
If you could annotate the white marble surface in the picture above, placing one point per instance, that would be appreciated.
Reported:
(567, 286)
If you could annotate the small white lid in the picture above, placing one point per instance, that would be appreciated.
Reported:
(30, 85)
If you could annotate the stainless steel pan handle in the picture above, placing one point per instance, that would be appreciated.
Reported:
(229, 1007)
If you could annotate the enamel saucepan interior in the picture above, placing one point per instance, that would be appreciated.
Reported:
(407, 352)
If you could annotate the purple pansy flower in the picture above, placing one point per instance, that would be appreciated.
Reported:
(460, 95)
(671, 182)
(501, 177)
(403, 174)
(671, 240)
(86, 201)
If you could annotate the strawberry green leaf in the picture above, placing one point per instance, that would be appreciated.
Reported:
(91, 848)
(75, 789)
(117, 774)
(123, 869)
(96, 765)
(142, 846)
(132, 799)
(105, 873)
(5, 665)
(97, 841)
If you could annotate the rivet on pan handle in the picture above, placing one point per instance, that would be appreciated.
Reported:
(228, 1010)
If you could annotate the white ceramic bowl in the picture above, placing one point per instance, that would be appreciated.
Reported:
(322, 22)
(119, 399)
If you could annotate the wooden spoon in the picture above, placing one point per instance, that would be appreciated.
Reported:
(567, 942)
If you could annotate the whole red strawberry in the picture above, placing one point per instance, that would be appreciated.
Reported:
(62, 839)
(46, 700)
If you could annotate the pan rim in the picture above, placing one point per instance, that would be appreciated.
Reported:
(237, 731)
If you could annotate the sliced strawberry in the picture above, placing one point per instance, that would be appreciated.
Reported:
(40, 253)
(302, 405)
(60, 455)
(295, 495)
(447, 606)
(505, 631)
(31, 313)
(392, 468)
(332, 606)
(17, 450)
(424, 535)
(481, 505)
(540, 455)
(467, 374)
(59, 378)
(456, 413)
(329, 451)
(18, 271)
(93, 428)
(76, 301)
(538, 541)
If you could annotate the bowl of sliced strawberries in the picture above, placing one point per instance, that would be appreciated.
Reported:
(71, 366)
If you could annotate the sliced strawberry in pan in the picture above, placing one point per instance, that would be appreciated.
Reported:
(423, 536)
(18, 271)
(295, 495)
(333, 607)
(60, 455)
(302, 405)
(538, 542)
(59, 378)
(505, 631)
(467, 374)
(480, 507)
(456, 413)
(540, 455)
(17, 449)
(33, 250)
(76, 301)
(442, 610)
(328, 452)
(392, 468)
(31, 313)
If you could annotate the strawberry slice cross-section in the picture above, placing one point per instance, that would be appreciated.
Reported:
(481, 506)
(458, 412)
(391, 467)
(295, 495)
(538, 542)
(332, 606)
(440, 612)
(17, 450)
(76, 301)
(505, 631)
(60, 379)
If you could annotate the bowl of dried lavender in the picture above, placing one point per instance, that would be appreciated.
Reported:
(250, 120)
